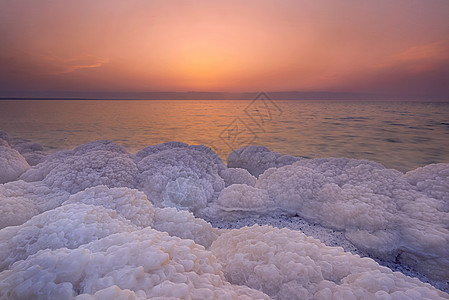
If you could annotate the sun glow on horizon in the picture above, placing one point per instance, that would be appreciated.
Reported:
(233, 46)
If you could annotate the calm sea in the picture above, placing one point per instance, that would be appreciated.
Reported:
(400, 135)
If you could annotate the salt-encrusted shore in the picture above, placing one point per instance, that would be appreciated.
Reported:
(98, 222)
(327, 236)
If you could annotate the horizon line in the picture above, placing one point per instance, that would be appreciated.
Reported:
(220, 95)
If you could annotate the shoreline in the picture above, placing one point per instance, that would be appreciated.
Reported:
(188, 192)
(330, 237)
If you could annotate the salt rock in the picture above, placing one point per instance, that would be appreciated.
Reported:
(337, 167)
(237, 176)
(40, 171)
(44, 197)
(20, 200)
(4, 143)
(66, 226)
(186, 193)
(16, 210)
(129, 203)
(95, 163)
(433, 180)
(147, 151)
(33, 153)
(113, 292)
(257, 159)
(24, 145)
(380, 212)
(12, 164)
(241, 197)
(239, 201)
(135, 207)
(4, 139)
(184, 225)
(286, 264)
(145, 263)
(183, 177)
(100, 145)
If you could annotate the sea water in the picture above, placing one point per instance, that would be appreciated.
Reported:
(400, 135)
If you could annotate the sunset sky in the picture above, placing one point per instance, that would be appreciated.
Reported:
(398, 47)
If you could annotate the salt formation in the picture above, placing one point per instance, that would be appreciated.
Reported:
(380, 212)
(4, 139)
(129, 203)
(135, 207)
(183, 177)
(32, 152)
(184, 225)
(153, 149)
(16, 210)
(39, 193)
(67, 226)
(237, 201)
(286, 264)
(20, 200)
(4, 142)
(144, 263)
(237, 176)
(12, 164)
(96, 163)
(171, 174)
(432, 180)
(241, 197)
(88, 222)
(257, 159)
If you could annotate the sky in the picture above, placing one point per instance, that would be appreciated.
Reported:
(398, 47)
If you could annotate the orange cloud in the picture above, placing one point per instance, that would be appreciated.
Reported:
(64, 65)
(418, 58)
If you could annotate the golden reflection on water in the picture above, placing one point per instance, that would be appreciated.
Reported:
(401, 135)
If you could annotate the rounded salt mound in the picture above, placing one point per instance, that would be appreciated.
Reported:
(129, 203)
(258, 159)
(237, 176)
(433, 180)
(20, 200)
(12, 164)
(184, 225)
(183, 177)
(15, 210)
(135, 207)
(66, 226)
(89, 165)
(381, 213)
(238, 200)
(144, 263)
(286, 264)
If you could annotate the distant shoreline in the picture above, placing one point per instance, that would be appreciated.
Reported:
(215, 99)
(204, 95)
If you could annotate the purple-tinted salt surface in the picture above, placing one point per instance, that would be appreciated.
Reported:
(174, 221)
